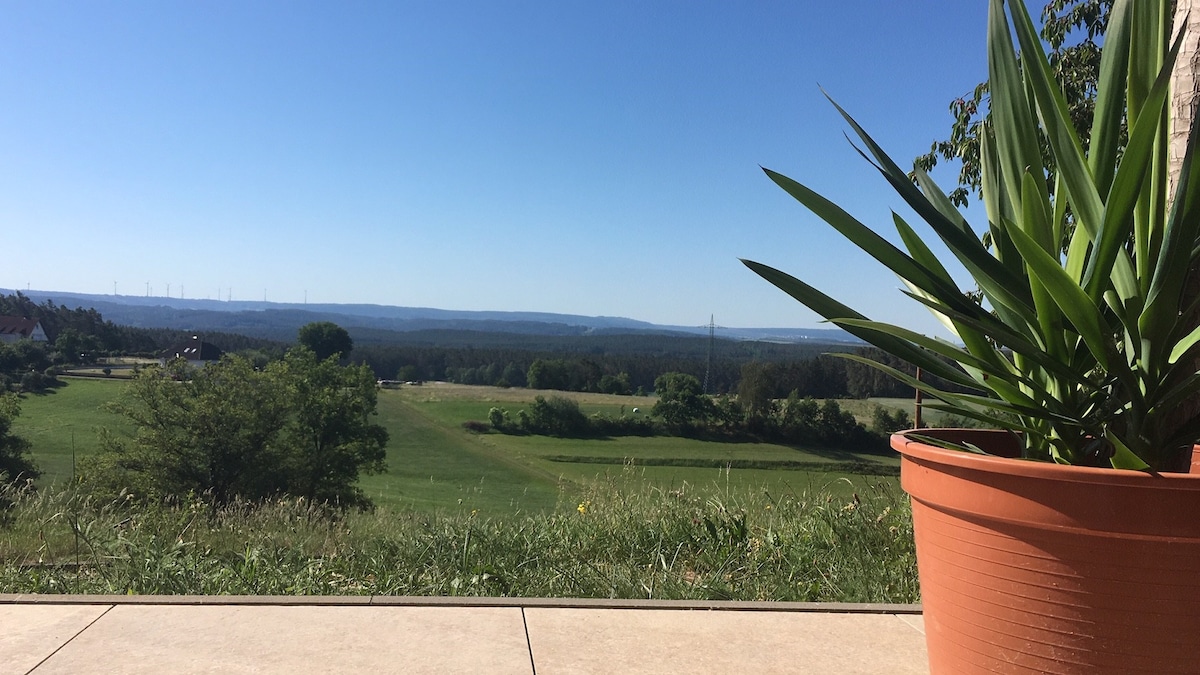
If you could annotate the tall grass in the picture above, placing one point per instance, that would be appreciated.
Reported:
(616, 541)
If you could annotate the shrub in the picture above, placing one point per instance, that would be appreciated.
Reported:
(885, 421)
(34, 382)
(476, 426)
(557, 416)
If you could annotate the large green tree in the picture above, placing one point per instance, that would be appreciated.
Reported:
(681, 399)
(756, 391)
(330, 437)
(230, 431)
(208, 432)
(326, 339)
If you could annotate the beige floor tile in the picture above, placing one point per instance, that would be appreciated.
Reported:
(30, 633)
(264, 639)
(672, 641)
(917, 621)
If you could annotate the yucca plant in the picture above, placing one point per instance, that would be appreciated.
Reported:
(1080, 339)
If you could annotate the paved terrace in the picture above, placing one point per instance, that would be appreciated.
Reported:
(46, 634)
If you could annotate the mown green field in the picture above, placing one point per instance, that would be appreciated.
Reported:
(65, 422)
(434, 463)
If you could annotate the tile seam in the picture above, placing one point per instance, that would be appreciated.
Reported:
(528, 643)
(69, 640)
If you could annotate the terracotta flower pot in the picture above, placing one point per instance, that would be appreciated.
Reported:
(1030, 567)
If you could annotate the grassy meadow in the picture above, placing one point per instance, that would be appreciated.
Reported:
(434, 463)
(463, 513)
(616, 542)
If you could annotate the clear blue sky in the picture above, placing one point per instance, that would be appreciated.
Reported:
(590, 158)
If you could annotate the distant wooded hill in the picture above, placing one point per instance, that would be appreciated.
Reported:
(374, 323)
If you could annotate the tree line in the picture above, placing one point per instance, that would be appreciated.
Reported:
(805, 369)
(682, 409)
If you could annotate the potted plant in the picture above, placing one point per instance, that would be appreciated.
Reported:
(1076, 347)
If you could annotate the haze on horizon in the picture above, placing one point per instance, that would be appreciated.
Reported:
(599, 160)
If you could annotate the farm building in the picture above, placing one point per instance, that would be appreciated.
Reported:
(13, 328)
(196, 352)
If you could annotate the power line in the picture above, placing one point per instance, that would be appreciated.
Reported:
(712, 331)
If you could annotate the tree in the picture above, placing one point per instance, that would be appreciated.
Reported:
(556, 416)
(885, 421)
(230, 431)
(325, 339)
(548, 374)
(1074, 31)
(513, 375)
(72, 346)
(208, 431)
(614, 384)
(681, 399)
(756, 392)
(329, 438)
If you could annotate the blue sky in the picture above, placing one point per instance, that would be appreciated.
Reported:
(585, 158)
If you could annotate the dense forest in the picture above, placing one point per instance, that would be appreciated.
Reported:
(631, 365)
(610, 363)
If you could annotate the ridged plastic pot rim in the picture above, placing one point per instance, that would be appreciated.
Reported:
(1043, 493)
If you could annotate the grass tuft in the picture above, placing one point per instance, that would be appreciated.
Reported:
(615, 539)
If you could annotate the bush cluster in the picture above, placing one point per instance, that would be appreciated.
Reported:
(562, 417)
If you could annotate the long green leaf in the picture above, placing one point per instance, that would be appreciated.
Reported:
(992, 420)
(998, 374)
(1123, 457)
(933, 192)
(1027, 410)
(919, 251)
(993, 278)
(1036, 218)
(1177, 254)
(1134, 171)
(1019, 344)
(1110, 96)
(943, 348)
(1184, 346)
(1060, 132)
(832, 309)
(870, 242)
(1079, 309)
(1016, 129)
(946, 321)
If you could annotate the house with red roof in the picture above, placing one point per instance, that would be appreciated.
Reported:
(13, 328)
